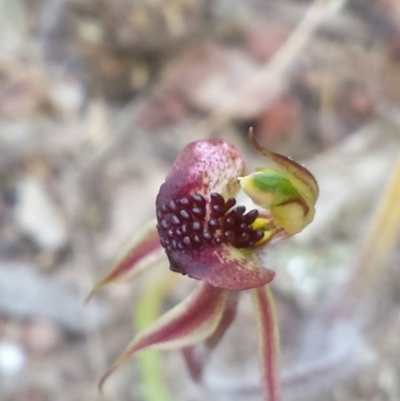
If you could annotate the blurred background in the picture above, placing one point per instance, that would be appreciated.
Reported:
(97, 97)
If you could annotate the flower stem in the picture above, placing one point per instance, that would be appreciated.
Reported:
(150, 363)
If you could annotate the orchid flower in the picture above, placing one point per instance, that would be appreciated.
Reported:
(210, 238)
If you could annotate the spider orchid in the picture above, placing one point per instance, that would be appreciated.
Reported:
(210, 238)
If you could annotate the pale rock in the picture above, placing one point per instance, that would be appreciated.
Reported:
(12, 359)
(37, 216)
(27, 295)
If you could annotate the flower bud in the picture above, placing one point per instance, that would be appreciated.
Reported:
(271, 189)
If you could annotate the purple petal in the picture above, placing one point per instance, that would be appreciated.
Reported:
(188, 323)
(203, 167)
(140, 253)
(223, 266)
(196, 356)
(268, 342)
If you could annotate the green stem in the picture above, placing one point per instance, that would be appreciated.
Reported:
(150, 362)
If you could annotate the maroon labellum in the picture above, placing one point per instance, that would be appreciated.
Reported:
(192, 223)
